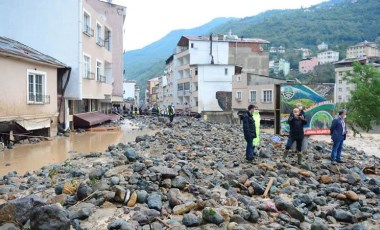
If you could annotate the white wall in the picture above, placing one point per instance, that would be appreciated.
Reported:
(212, 78)
(42, 25)
(129, 90)
(200, 54)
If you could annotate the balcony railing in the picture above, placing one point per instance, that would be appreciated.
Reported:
(101, 78)
(38, 99)
(100, 42)
(89, 75)
(87, 30)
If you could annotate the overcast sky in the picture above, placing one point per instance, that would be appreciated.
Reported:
(149, 20)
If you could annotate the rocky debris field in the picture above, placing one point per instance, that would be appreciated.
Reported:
(192, 175)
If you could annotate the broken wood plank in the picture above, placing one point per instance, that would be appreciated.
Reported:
(265, 195)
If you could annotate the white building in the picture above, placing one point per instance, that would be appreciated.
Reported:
(323, 46)
(328, 57)
(87, 35)
(129, 89)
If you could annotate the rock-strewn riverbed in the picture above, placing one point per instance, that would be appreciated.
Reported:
(192, 175)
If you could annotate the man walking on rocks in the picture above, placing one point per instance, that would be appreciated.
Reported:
(249, 132)
(296, 123)
(338, 131)
(171, 113)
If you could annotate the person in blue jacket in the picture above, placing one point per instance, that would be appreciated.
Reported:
(338, 131)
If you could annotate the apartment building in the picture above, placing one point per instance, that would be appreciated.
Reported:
(254, 89)
(344, 88)
(363, 49)
(307, 65)
(87, 35)
(29, 96)
(328, 57)
(278, 66)
(203, 68)
(151, 92)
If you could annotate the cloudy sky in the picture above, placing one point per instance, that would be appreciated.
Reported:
(149, 20)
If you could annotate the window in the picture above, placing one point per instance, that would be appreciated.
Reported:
(87, 25)
(192, 45)
(107, 38)
(252, 96)
(238, 96)
(340, 73)
(339, 98)
(87, 67)
(267, 96)
(340, 81)
(196, 71)
(238, 78)
(348, 88)
(180, 86)
(36, 88)
(225, 71)
(340, 89)
(99, 38)
(99, 76)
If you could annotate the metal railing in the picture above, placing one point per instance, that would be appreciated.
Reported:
(38, 99)
(101, 78)
(100, 42)
(89, 75)
(87, 30)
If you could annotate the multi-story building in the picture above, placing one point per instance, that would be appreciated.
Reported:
(280, 65)
(344, 88)
(306, 53)
(363, 49)
(254, 89)
(274, 49)
(29, 96)
(87, 35)
(170, 90)
(307, 65)
(151, 92)
(204, 67)
(328, 57)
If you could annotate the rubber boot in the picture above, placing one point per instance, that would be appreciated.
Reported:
(299, 158)
(285, 154)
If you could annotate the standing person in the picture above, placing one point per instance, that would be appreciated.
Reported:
(296, 123)
(249, 132)
(338, 131)
(171, 113)
(257, 118)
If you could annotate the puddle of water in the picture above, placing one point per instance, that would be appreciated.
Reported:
(29, 157)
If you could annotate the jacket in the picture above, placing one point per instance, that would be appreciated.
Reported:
(336, 130)
(249, 126)
(296, 126)
(257, 118)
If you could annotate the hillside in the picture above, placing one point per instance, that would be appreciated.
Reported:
(339, 23)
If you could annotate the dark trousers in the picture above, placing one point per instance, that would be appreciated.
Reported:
(250, 150)
(171, 117)
(291, 140)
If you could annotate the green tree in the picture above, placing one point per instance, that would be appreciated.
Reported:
(363, 107)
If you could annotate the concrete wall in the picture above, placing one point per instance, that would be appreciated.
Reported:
(51, 27)
(222, 117)
(200, 54)
(211, 79)
(13, 88)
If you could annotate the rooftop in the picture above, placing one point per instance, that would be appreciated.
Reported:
(226, 38)
(12, 48)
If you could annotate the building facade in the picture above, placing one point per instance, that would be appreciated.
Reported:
(307, 65)
(151, 92)
(328, 57)
(87, 36)
(29, 82)
(254, 89)
(363, 49)
(278, 66)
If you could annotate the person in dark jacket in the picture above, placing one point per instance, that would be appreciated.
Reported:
(338, 131)
(296, 123)
(249, 132)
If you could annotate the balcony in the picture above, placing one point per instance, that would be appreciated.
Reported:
(89, 76)
(100, 42)
(38, 99)
(238, 99)
(101, 78)
(87, 30)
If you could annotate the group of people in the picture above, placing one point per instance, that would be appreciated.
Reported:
(296, 121)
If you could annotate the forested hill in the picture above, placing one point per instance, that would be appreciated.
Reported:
(339, 23)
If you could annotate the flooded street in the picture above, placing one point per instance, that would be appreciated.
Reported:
(29, 157)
